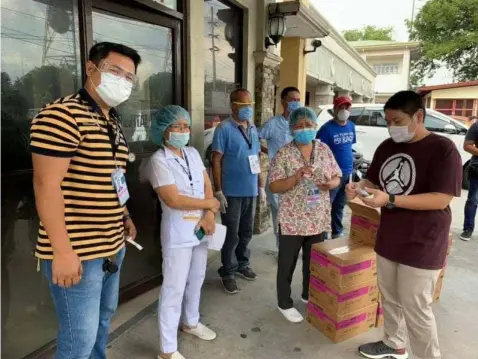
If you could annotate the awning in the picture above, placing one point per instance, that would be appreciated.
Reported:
(308, 23)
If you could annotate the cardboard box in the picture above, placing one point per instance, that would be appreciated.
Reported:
(342, 263)
(345, 326)
(346, 300)
(380, 320)
(439, 286)
(365, 222)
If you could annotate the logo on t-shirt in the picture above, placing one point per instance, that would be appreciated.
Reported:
(343, 138)
(398, 174)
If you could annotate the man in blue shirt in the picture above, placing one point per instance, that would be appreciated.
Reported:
(276, 131)
(235, 166)
(339, 135)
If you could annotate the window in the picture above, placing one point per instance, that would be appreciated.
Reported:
(459, 107)
(386, 69)
(40, 62)
(377, 118)
(223, 33)
(435, 124)
(173, 4)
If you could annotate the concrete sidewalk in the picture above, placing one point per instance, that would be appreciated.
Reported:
(249, 325)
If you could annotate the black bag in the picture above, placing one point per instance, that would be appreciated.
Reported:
(473, 170)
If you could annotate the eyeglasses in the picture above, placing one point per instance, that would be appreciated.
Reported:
(118, 71)
(240, 104)
(180, 128)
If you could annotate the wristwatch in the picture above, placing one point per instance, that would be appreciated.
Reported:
(391, 202)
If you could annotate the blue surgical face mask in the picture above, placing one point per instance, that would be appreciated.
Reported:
(178, 139)
(293, 105)
(305, 136)
(244, 113)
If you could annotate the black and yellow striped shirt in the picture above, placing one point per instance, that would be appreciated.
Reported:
(73, 127)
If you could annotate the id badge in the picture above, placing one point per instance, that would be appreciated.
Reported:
(313, 197)
(192, 215)
(254, 164)
(119, 183)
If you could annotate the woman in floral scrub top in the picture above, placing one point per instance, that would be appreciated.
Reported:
(302, 173)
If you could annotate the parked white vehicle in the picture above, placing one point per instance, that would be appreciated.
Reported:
(371, 129)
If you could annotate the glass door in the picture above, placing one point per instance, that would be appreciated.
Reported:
(157, 40)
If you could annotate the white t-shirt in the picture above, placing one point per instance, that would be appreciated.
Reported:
(164, 168)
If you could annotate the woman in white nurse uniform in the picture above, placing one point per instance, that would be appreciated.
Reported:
(178, 176)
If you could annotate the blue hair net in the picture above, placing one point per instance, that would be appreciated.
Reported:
(164, 118)
(300, 113)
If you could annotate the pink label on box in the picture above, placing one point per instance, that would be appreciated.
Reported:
(324, 262)
(320, 259)
(380, 311)
(321, 287)
(363, 223)
(340, 325)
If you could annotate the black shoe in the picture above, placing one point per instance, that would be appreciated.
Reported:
(381, 350)
(466, 235)
(247, 273)
(230, 286)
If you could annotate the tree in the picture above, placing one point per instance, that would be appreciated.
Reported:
(448, 35)
(369, 32)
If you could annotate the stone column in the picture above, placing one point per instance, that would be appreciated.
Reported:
(324, 95)
(343, 93)
(267, 69)
(356, 98)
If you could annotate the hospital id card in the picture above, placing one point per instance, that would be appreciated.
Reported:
(254, 164)
(192, 215)
(119, 183)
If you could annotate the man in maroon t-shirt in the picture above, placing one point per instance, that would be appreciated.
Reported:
(413, 177)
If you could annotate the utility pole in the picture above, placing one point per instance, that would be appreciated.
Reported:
(213, 48)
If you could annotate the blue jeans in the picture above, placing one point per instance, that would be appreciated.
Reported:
(338, 200)
(471, 205)
(84, 311)
(239, 220)
(273, 200)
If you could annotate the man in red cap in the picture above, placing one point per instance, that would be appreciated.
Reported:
(339, 135)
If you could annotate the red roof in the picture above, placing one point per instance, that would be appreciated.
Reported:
(425, 89)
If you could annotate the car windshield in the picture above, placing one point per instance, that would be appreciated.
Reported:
(460, 128)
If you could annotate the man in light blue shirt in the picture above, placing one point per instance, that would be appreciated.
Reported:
(276, 131)
(235, 166)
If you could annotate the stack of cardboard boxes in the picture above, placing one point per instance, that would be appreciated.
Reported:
(344, 299)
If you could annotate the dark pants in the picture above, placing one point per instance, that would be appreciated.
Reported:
(289, 248)
(471, 205)
(338, 200)
(239, 220)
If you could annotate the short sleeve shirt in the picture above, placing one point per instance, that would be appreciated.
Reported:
(416, 238)
(340, 140)
(295, 217)
(276, 131)
(164, 168)
(236, 147)
(472, 135)
(73, 127)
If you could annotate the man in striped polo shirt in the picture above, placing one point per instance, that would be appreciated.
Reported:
(79, 159)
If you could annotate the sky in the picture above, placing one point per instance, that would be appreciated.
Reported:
(354, 14)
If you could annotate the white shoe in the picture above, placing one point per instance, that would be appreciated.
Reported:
(201, 331)
(176, 355)
(292, 315)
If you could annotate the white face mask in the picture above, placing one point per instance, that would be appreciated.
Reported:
(343, 115)
(400, 134)
(113, 89)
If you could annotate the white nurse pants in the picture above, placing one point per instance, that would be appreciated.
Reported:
(184, 270)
